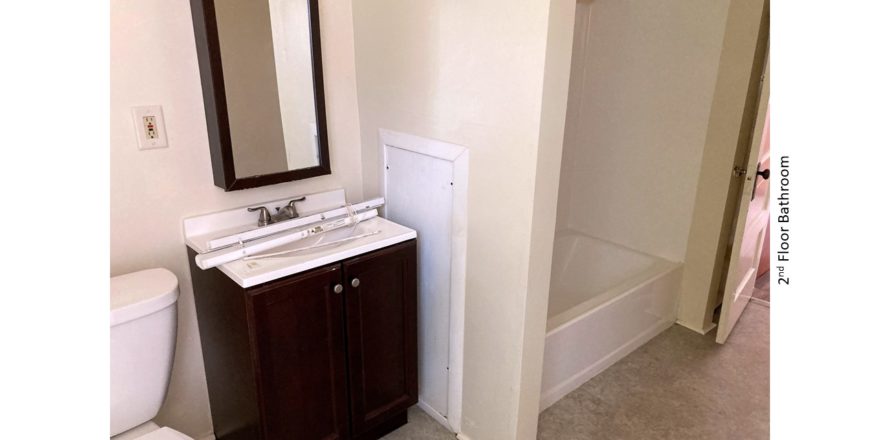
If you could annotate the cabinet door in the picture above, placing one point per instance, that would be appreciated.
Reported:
(297, 327)
(381, 325)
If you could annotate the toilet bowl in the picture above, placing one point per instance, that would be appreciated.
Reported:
(143, 328)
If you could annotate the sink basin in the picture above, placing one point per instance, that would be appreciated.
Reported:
(317, 243)
(252, 272)
(222, 238)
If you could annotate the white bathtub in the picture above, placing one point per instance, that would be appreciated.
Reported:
(605, 301)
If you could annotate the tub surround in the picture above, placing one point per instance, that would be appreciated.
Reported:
(615, 282)
(605, 302)
(589, 271)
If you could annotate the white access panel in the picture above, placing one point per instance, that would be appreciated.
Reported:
(419, 194)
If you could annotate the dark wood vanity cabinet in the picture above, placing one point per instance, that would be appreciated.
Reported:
(299, 350)
(381, 333)
(294, 359)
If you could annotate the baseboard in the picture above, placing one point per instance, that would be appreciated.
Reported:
(556, 393)
(760, 302)
(701, 331)
(439, 418)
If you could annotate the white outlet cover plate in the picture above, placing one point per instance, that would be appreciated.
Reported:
(138, 114)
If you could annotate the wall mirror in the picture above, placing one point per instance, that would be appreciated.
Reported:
(262, 82)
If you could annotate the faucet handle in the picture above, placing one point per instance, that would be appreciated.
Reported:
(265, 217)
(291, 207)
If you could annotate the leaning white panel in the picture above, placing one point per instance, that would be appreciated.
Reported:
(425, 188)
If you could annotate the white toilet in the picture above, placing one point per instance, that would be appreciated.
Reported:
(143, 328)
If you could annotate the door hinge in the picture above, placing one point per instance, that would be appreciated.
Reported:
(739, 171)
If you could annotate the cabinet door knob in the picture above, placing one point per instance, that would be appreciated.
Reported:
(355, 282)
(337, 288)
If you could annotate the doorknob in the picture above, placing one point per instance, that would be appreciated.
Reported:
(763, 173)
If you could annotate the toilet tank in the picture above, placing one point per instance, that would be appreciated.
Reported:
(143, 328)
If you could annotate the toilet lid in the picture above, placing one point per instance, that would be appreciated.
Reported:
(139, 294)
(165, 433)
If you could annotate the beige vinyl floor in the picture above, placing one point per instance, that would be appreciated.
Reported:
(678, 386)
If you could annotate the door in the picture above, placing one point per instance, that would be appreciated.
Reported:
(297, 326)
(380, 303)
(751, 221)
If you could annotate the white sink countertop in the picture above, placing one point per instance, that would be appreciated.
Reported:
(253, 272)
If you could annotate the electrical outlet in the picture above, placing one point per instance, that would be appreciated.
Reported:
(150, 127)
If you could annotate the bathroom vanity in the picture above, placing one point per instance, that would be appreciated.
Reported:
(315, 345)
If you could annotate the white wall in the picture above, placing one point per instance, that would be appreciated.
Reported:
(547, 170)
(641, 92)
(473, 74)
(153, 61)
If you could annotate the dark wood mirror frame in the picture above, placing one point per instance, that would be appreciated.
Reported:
(214, 93)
